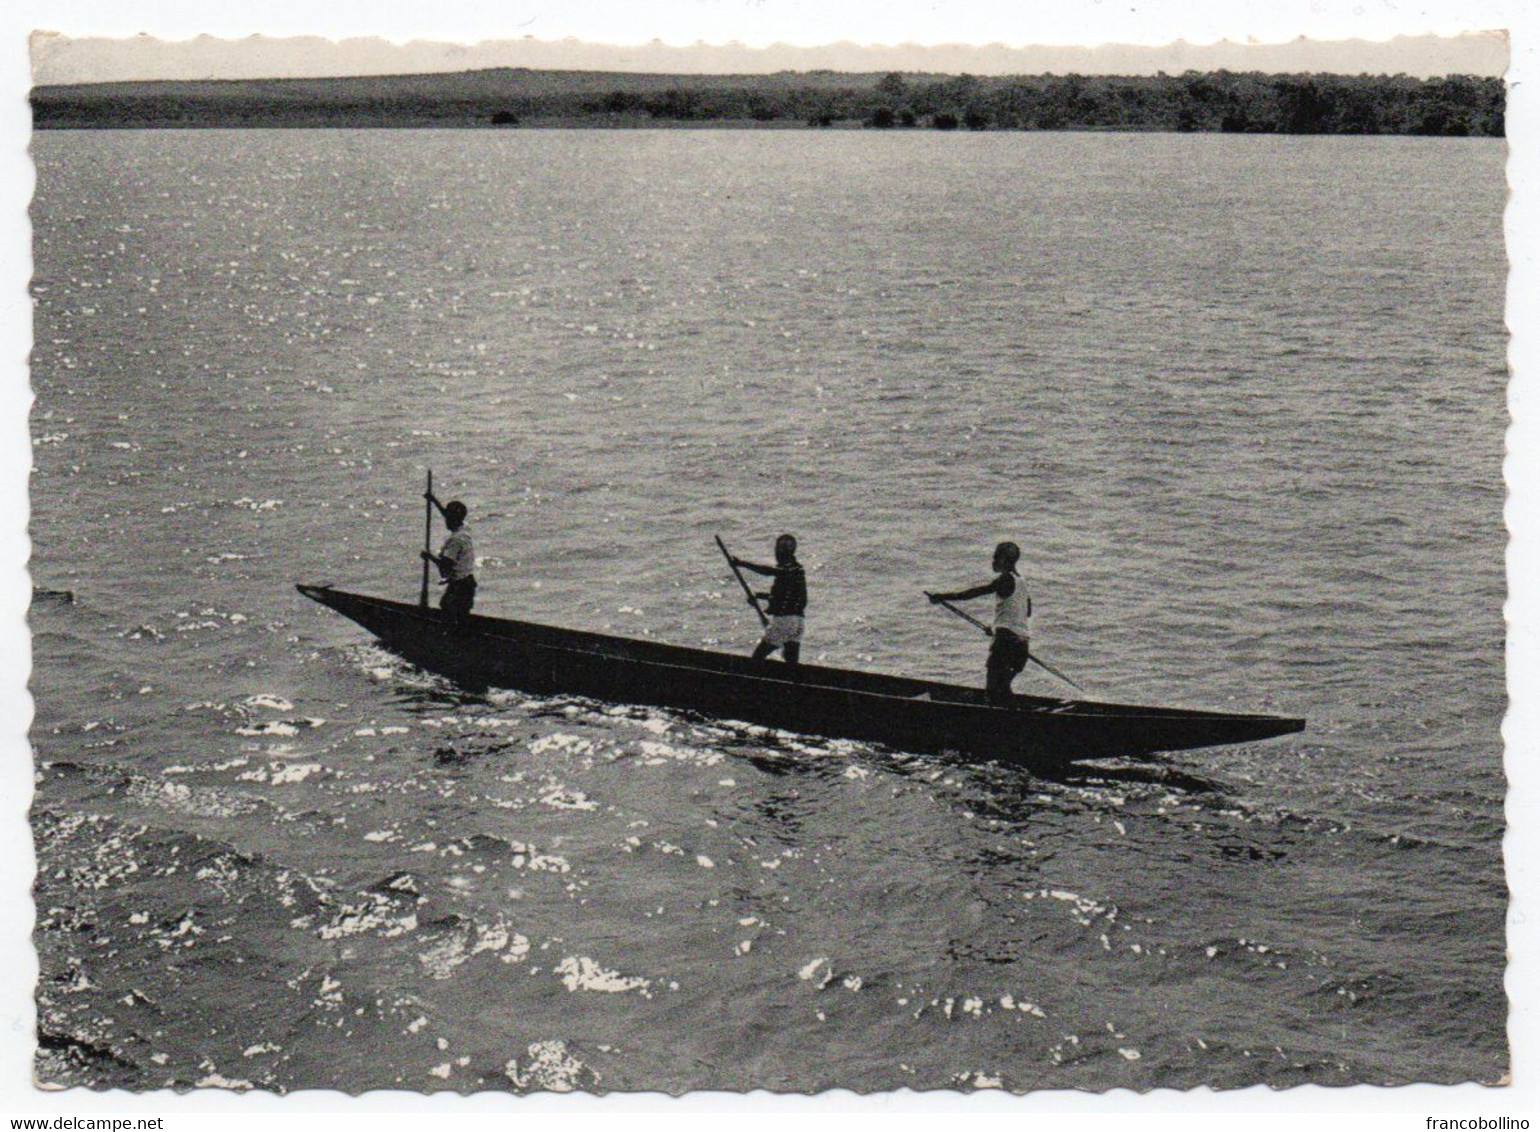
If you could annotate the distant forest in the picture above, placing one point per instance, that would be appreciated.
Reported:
(1221, 101)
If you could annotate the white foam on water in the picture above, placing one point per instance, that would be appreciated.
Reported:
(293, 772)
(821, 749)
(441, 958)
(561, 741)
(280, 773)
(980, 1081)
(580, 973)
(1084, 906)
(219, 1081)
(527, 857)
(503, 698)
(808, 972)
(375, 913)
(269, 727)
(110, 858)
(548, 1067)
(1009, 1002)
(182, 798)
(221, 872)
(655, 754)
(498, 937)
(330, 993)
(197, 768)
(567, 798)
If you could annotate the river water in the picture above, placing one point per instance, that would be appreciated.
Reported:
(1240, 398)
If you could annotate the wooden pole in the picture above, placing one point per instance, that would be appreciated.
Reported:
(747, 589)
(427, 540)
(988, 632)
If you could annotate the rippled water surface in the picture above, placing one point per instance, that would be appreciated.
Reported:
(1241, 398)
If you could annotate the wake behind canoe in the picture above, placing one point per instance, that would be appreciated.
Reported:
(908, 714)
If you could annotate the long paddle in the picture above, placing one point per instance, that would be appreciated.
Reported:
(747, 589)
(427, 540)
(988, 632)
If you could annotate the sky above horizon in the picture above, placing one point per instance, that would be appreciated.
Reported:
(59, 59)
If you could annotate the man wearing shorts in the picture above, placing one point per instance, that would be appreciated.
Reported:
(787, 601)
(456, 562)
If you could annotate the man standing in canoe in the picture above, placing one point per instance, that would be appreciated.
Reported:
(456, 561)
(1008, 646)
(787, 598)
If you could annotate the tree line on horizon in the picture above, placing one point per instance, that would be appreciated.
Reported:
(1221, 101)
(1456, 106)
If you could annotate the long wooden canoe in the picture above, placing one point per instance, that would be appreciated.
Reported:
(914, 715)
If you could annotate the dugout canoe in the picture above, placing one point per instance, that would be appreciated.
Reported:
(912, 715)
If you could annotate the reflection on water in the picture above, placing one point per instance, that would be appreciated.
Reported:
(1240, 398)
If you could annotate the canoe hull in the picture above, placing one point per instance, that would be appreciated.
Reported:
(1042, 733)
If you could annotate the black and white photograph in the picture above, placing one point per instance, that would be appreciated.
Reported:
(563, 567)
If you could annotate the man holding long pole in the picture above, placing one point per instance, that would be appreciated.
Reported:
(427, 539)
(787, 599)
(456, 562)
(1008, 647)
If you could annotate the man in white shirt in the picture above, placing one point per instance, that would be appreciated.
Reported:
(1009, 650)
(456, 562)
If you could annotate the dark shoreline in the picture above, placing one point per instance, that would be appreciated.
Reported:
(1217, 102)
